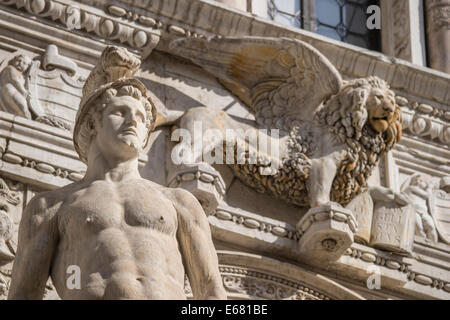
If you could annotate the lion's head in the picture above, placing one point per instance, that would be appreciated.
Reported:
(365, 116)
(361, 102)
(383, 113)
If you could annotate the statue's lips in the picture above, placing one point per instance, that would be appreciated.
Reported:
(130, 131)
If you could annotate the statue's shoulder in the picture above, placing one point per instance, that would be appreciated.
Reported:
(48, 202)
(178, 196)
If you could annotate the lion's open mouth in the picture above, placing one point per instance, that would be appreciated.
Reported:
(380, 118)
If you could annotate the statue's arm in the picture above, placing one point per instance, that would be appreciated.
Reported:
(38, 237)
(197, 248)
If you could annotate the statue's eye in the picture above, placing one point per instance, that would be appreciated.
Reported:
(141, 117)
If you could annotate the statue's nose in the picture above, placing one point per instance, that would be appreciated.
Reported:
(388, 107)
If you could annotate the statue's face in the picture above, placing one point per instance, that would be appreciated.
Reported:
(420, 182)
(22, 63)
(381, 107)
(121, 129)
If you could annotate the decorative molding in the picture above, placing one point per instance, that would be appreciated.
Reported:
(37, 154)
(378, 260)
(424, 156)
(42, 167)
(257, 284)
(335, 213)
(425, 120)
(399, 266)
(376, 257)
(260, 285)
(148, 21)
(198, 174)
(184, 20)
(279, 230)
(71, 16)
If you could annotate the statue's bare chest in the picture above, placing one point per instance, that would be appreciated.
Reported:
(106, 205)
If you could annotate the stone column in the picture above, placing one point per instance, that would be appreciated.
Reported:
(438, 34)
(308, 15)
(402, 30)
(238, 4)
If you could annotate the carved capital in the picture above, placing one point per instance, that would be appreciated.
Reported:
(326, 232)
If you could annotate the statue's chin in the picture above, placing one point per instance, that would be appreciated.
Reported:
(379, 125)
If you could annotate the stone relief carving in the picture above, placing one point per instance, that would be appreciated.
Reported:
(385, 219)
(431, 205)
(424, 120)
(332, 132)
(276, 77)
(47, 90)
(7, 198)
(10, 200)
(419, 189)
(14, 95)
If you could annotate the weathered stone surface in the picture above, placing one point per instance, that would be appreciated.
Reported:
(245, 221)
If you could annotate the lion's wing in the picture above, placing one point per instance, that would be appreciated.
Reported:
(280, 79)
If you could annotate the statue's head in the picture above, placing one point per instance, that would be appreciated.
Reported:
(420, 180)
(382, 109)
(367, 101)
(20, 62)
(116, 111)
(119, 120)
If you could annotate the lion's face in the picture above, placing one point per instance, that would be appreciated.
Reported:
(382, 109)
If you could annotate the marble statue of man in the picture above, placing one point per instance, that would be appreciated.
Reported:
(128, 237)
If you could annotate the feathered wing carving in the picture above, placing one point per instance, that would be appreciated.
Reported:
(280, 79)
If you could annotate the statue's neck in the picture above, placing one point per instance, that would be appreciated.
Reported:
(102, 167)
